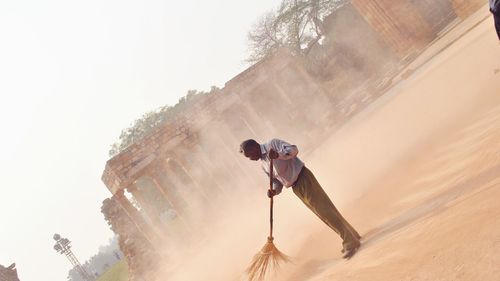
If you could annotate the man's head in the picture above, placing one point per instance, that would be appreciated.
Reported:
(251, 149)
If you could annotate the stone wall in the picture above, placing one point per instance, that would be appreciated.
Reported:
(138, 248)
(407, 26)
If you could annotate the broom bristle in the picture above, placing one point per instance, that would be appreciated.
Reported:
(269, 256)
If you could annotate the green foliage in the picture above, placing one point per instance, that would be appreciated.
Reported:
(296, 25)
(155, 119)
(118, 272)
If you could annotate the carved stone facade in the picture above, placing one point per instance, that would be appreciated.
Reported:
(137, 246)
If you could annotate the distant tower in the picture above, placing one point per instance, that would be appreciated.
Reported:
(63, 247)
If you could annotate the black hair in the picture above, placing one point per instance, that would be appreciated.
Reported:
(247, 144)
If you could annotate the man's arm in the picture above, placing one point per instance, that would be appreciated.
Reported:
(285, 150)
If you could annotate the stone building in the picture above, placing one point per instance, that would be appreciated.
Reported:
(142, 258)
(407, 26)
(173, 175)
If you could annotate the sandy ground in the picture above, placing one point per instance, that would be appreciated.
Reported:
(424, 177)
(417, 173)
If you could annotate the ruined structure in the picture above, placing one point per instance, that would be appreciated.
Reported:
(139, 251)
(8, 273)
(174, 174)
(167, 183)
(408, 26)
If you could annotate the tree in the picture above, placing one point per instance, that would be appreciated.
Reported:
(155, 119)
(296, 25)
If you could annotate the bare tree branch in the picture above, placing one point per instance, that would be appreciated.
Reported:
(296, 25)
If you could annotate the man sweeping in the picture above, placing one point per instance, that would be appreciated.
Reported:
(290, 171)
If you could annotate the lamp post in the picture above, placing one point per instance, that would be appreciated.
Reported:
(63, 246)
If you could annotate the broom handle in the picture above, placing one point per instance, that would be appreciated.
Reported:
(271, 199)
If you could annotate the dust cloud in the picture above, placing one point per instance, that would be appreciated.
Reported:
(368, 167)
(389, 142)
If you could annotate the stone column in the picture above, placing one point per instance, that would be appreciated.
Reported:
(170, 185)
(145, 205)
(180, 164)
(259, 122)
(219, 154)
(171, 202)
(232, 152)
(250, 118)
(317, 98)
(135, 217)
(204, 161)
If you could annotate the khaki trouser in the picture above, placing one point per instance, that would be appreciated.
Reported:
(312, 194)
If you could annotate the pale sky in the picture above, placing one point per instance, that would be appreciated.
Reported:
(73, 74)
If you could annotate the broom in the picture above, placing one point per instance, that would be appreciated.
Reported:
(269, 255)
